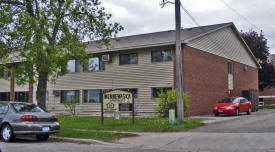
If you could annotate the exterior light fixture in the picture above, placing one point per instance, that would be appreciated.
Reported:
(245, 67)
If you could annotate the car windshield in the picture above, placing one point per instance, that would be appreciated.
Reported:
(25, 107)
(229, 100)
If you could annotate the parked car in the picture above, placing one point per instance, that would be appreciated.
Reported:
(232, 105)
(19, 118)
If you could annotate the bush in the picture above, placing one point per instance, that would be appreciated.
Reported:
(70, 106)
(168, 101)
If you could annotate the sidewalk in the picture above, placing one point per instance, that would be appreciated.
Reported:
(213, 119)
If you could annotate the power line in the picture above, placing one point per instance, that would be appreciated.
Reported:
(243, 17)
(189, 15)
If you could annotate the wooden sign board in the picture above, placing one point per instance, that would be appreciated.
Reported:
(117, 100)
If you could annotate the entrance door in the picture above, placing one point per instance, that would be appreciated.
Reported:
(230, 75)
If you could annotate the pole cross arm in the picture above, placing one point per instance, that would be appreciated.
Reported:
(164, 2)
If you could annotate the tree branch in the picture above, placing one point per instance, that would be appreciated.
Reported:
(58, 21)
(37, 9)
(13, 2)
(29, 8)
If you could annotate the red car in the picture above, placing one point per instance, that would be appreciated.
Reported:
(232, 105)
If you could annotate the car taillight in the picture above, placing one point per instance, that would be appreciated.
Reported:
(29, 118)
(54, 119)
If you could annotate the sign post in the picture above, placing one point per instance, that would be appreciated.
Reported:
(116, 101)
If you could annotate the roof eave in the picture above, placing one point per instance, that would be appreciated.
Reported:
(132, 47)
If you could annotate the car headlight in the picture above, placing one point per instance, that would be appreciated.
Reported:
(230, 107)
(215, 108)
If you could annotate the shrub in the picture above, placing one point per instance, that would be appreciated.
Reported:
(70, 106)
(168, 100)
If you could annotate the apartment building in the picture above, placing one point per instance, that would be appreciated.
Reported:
(216, 64)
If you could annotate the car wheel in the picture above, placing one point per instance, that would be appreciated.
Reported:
(7, 133)
(237, 112)
(249, 111)
(42, 137)
(216, 114)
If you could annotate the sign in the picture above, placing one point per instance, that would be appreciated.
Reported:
(125, 107)
(117, 100)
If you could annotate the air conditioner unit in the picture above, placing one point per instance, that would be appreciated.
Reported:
(56, 92)
(106, 57)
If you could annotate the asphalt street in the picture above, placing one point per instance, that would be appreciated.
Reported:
(253, 133)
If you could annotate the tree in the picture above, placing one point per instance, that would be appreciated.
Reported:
(48, 33)
(258, 45)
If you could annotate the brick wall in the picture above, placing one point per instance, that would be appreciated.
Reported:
(244, 80)
(268, 92)
(205, 75)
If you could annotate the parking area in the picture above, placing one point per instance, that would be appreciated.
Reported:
(248, 133)
(262, 121)
(211, 118)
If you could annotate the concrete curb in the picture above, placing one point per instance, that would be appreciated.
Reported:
(80, 140)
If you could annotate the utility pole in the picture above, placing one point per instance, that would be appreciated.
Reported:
(180, 108)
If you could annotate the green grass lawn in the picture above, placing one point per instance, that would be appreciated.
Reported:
(91, 128)
(267, 107)
(125, 123)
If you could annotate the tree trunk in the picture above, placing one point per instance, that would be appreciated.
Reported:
(41, 89)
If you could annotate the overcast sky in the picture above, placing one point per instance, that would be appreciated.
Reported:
(146, 16)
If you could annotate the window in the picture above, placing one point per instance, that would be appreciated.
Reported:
(230, 67)
(133, 91)
(70, 95)
(4, 96)
(229, 100)
(4, 108)
(21, 96)
(128, 58)
(93, 64)
(5, 74)
(161, 56)
(243, 100)
(26, 107)
(91, 96)
(73, 66)
(47, 96)
(156, 91)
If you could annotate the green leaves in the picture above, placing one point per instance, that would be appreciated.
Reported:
(49, 33)
(258, 45)
(168, 100)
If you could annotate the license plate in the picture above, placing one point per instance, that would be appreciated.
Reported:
(45, 128)
(220, 111)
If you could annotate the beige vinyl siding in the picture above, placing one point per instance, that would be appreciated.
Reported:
(142, 76)
(224, 43)
(5, 86)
